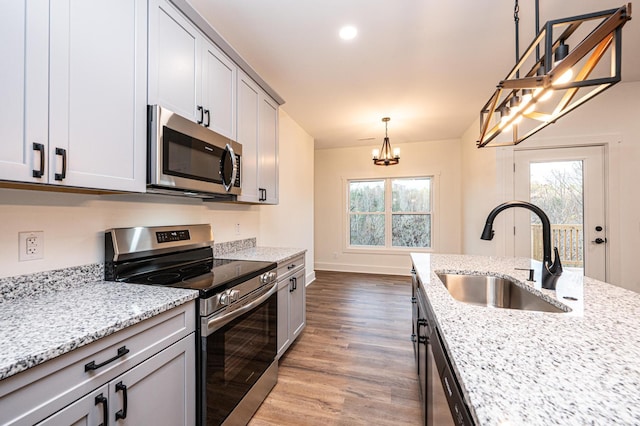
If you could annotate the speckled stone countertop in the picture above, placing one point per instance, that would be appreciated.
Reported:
(264, 254)
(39, 322)
(533, 368)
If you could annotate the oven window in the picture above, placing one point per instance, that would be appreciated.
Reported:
(236, 356)
(187, 157)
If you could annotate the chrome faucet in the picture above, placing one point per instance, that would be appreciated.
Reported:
(550, 270)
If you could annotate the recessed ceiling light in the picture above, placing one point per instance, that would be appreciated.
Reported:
(348, 32)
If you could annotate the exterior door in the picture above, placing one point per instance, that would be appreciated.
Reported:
(568, 184)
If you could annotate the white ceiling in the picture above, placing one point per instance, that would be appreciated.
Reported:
(429, 65)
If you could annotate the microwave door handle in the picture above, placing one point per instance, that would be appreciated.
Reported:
(234, 169)
(219, 322)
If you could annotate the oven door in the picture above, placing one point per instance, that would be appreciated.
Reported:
(236, 349)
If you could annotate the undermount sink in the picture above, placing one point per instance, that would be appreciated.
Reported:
(497, 292)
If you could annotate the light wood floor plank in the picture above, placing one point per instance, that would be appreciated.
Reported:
(353, 364)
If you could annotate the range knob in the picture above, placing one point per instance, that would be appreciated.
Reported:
(223, 299)
(264, 278)
(234, 295)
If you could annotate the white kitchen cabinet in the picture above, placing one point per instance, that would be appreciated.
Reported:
(159, 391)
(24, 49)
(154, 359)
(87, 411)
(77, 115)
(188, 74)
(258, 134)
(219, 91)
(291, 302)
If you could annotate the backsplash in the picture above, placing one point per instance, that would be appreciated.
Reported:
(231, 246)
(49, 281)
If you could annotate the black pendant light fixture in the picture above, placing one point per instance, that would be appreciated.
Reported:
(385, 156)
(557, 79)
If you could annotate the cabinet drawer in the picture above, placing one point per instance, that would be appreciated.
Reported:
(290, 267)
(36, 393)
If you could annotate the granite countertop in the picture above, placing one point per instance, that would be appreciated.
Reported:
(38, 323)
(264, 254)
(521, 367)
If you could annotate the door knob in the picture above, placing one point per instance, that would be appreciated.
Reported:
(599, 240)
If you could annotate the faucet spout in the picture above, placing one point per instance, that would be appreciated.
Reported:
(551, 270)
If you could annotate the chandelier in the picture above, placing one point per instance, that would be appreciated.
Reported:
(385, 156)
(557, 79)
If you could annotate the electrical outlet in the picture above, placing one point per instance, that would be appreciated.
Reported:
(30, 245)
(237, 229)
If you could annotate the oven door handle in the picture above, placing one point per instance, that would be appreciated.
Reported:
(219, 322)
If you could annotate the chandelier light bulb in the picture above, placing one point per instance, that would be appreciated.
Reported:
(375, 154)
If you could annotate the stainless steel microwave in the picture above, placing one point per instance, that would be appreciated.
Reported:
(185, 158)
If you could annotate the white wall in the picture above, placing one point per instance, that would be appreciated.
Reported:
(334, 166)
(612, 118)
(290, 223)
(74, 224)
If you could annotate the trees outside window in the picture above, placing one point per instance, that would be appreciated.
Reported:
(390, 213)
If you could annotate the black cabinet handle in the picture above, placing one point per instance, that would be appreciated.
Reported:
(39, 172)
(291, 285)
(100, 399)
(263, 194)
(206, 112)
(93, 366)
(201, 119)
(122, 414)
(62, 152)
(293, 265)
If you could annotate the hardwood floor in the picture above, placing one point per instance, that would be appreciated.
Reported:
(353, 364)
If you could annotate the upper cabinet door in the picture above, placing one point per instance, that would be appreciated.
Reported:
(268, 149)
(219, 91)
(97, 104)
(248, 102)
(24, 49)
(174, 61)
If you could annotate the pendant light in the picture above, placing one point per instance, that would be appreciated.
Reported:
(385, 156)
(557, 80)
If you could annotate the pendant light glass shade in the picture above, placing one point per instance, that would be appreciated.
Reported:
(386, 156)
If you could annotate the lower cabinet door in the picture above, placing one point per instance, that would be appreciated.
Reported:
(89, 410)
(284, 290)
(159, 391)
(297, 305)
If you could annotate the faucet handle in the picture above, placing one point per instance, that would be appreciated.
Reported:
(556, 266)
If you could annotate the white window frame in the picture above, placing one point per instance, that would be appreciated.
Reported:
(388, 248)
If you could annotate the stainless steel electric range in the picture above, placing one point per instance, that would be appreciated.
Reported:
(237, 307)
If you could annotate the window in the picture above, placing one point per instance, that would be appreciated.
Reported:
(390, 213)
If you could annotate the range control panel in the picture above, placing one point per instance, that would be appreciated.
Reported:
(169, 236)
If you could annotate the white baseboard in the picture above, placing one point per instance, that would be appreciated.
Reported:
(364, 269)
(311, 277)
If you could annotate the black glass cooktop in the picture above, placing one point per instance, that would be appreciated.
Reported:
(193, 271)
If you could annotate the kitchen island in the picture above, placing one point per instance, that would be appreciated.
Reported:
(536, 368)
